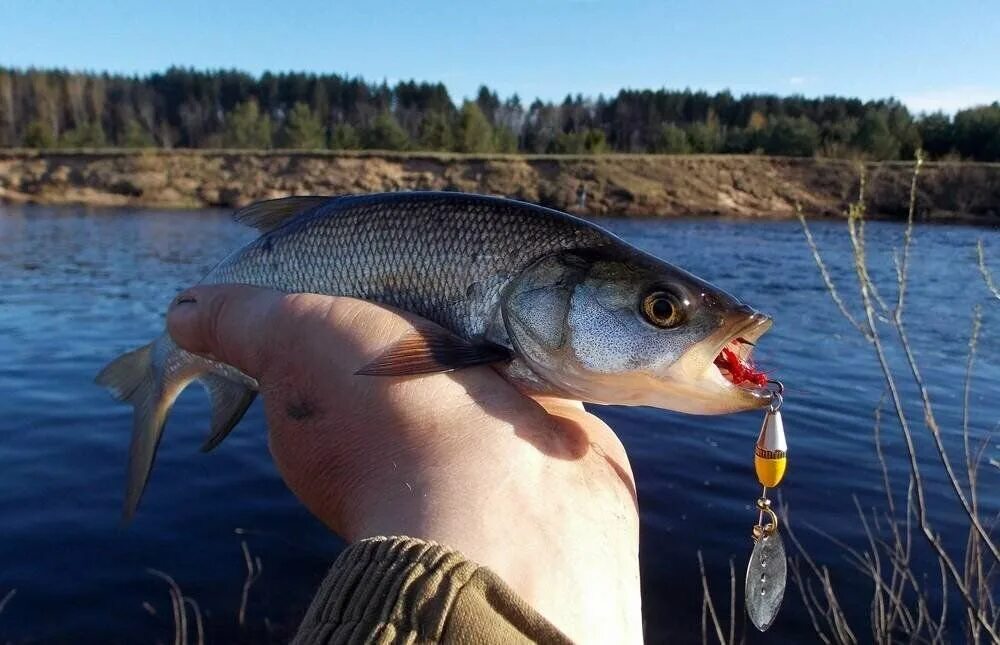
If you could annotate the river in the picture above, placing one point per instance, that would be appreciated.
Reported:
(79, 286)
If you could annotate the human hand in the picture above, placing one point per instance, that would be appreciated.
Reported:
(535, 488)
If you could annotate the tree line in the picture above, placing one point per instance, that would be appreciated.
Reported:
(186, 108)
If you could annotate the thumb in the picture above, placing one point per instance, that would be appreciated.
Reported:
(224, 323)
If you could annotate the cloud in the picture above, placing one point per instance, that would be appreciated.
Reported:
(951, 99)
(797, 80)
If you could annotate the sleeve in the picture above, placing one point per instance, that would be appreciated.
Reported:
(404, 590)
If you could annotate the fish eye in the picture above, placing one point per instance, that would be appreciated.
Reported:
(663, 309)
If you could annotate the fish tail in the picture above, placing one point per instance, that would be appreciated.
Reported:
(151, 378)
(132, 378)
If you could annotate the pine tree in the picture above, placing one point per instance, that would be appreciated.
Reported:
(87, 135)
(475, 132)
(39, 135)
(436, 132)
(135, 136)
(385, 133)
(303, 129)
(345, 137)
(875, 139)
(504, 140)
(672, 140)
(792, 137)
(246, 127)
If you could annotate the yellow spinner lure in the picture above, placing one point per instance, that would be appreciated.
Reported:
(767, 571)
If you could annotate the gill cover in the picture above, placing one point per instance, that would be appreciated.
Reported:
(537, 308)
(536, 305)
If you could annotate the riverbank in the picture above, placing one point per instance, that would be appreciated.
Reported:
(633, 185)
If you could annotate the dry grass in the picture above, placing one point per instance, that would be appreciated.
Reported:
(188, 621)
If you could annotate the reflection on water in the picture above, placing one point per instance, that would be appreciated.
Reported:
(79, 287)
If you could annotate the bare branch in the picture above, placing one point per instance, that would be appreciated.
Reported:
(896, 585)
(935, 431)
(923, 520)
(825, 274)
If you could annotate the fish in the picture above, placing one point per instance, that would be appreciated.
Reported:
(556, 304)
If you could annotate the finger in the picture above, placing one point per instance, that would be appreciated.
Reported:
(253, 328)
(224, 322)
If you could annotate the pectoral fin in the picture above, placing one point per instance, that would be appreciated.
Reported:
(426, 351)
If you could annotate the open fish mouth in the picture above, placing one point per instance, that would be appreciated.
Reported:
(734, 358)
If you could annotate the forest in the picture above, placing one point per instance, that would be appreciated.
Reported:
(187, 108)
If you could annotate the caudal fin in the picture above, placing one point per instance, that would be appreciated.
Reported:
(152, 387)
(131, 378)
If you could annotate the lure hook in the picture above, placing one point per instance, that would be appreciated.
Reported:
(777, 388)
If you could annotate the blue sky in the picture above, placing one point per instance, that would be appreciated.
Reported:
(931, 55)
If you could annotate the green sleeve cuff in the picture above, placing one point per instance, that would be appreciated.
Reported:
(404, 590)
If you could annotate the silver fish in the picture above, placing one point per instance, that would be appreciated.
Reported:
(557, 304)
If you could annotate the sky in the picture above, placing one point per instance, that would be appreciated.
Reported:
(929, 54)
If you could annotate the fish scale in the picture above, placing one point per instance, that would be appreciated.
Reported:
(418, 252)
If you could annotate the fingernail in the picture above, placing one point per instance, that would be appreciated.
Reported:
(183, 299)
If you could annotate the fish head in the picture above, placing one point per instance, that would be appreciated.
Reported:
(625, 328)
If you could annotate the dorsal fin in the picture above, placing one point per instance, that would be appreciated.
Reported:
(271, 213)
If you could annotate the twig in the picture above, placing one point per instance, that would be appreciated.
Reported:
(830, 610)
(254, 569)
(935, 431)
(199, 626)
(908, 236)
(6, 599)
(977, 322)
(732, 602)
(923, 520)
(974, 584)
(983, 269)
(856, 227)
(825, 274)
(707, 598)
(177, 600)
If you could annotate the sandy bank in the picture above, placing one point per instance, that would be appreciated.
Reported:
(638, 185)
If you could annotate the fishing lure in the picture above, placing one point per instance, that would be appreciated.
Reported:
(767, 571)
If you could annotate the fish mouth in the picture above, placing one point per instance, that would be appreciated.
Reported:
(734, 363)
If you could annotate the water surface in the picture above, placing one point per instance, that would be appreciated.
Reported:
(78, 287)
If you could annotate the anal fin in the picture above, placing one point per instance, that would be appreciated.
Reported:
(427, 351)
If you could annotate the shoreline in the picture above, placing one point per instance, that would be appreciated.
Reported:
(626, 185)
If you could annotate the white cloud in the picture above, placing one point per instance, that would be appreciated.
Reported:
(951, 99)
(797, 80)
